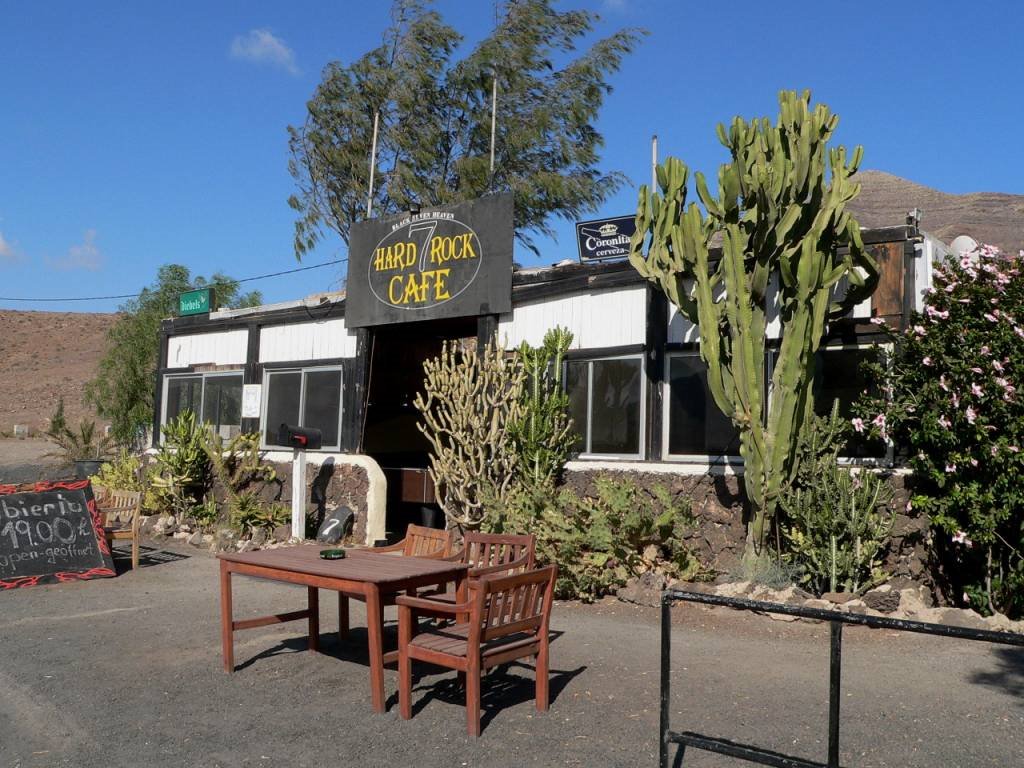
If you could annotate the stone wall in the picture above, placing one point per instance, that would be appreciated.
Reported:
(328, 487)
(718, 504)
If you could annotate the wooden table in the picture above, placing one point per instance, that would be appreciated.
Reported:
(376, 578)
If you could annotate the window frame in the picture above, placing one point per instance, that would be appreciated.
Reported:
(203, 376)
(666, 415)
(642, 438)
(268, 373)
(888, 460)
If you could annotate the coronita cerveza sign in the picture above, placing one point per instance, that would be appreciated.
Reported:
(444, 262)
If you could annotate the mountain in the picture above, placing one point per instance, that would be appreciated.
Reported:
(45, 356)
(995, 218)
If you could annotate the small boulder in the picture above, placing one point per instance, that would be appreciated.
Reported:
(838, 598)
(282, 532)
(259, 537)
(959, 617)
(643, 590)
(196, 539)
(883, 599)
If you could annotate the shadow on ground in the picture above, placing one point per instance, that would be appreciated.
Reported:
(1009, 674)
(148, 557)
(500, 687)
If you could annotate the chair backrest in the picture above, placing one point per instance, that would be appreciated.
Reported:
(485, 550)
(421, 541)
(120, 506)
(519, 603)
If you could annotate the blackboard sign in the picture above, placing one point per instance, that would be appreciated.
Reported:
(51, 532)
(454, 261)
(605, 238)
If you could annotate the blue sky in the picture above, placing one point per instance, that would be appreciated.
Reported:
(131, 139)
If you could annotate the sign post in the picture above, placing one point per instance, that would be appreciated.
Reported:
(300, 439)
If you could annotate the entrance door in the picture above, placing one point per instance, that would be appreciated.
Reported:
(392, 435)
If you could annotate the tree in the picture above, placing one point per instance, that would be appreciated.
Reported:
(435, 121)
(949, 394)
(123, 389)
(781, 213)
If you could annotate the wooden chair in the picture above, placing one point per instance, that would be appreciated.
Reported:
(487, 554)
(419, 541)
(508, 620)
(122, 518)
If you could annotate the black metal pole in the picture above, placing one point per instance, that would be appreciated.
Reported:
(666, 659)
(835, 678)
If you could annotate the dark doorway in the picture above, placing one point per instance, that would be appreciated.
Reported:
(391, 435)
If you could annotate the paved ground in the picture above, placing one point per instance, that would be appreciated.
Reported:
(25, 461)
(126, 672)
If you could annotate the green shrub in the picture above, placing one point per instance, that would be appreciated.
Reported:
(183, 472)
(249, 514)
(837, 521)
(599, 541)
(952, 395)
(123, 472)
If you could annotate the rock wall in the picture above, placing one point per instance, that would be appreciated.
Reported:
(718, 504)
(328, 487)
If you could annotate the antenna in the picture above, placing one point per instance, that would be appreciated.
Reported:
(654, 163)
(494, 98)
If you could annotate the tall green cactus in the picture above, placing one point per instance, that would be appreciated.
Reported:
(780, 212)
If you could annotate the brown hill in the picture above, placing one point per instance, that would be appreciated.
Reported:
(45, 356)
(995, 218)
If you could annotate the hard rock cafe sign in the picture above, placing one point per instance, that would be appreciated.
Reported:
(448, 262)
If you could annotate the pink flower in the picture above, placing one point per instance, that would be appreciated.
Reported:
(910, 505)
(965, 261)
(879, 421)
(971, 415)
(998, 366)
(976, 369)
(1013, 449)
(934, 313)
(993, 450)
(956, 400)
(990, 317)
(1019, 331)
(858, 425)
(926, 360)
(918, 330)
(959, 538)
(877, 321)
(951, 468)
(951, 287)
(943, 421)
(984, 350)
(976, 390)
(942, 383)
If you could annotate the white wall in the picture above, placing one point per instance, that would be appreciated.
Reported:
(611, 318)
(306, 341)
(218, 348)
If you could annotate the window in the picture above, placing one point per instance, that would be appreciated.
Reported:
(694, 425)
(838, 376)
(307, 398)
(606, 405)
(215, 398)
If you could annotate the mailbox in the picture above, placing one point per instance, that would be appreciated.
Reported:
(305, 438)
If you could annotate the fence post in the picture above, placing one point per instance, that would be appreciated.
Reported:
(666, 663)
(835, 678)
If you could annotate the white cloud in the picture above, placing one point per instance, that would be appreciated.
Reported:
(84, 255)
(261, 46)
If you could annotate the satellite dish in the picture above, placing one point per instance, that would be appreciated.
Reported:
(963, 244)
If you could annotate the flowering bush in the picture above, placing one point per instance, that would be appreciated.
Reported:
(949, 397)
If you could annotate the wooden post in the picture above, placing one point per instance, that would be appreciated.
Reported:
(227, 631)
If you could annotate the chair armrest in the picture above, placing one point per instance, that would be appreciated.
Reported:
(397, 547)
(486, 570)
(421, 604)
(456, 558)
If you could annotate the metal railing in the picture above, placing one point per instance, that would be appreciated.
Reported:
(755, 754)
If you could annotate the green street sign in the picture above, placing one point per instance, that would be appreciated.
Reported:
(196, 302)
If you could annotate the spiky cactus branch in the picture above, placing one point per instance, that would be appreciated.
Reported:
(781, 211)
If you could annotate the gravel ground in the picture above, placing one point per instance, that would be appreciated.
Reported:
(127, 672)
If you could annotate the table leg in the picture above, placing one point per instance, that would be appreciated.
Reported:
(227, 634)
(314, 618)
(342, 616)
(375, 631)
